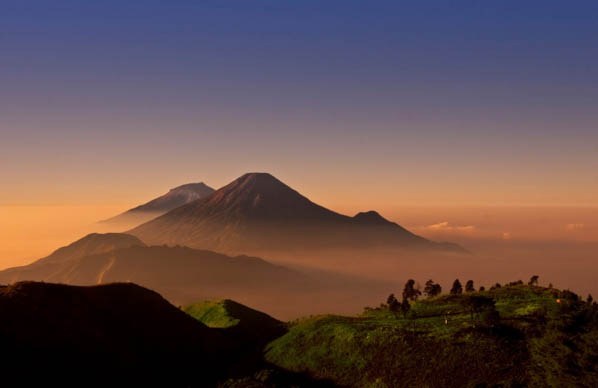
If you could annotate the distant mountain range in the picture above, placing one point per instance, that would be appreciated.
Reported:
(258, 213)
(176, 197)
(200, 250)
(181, 274)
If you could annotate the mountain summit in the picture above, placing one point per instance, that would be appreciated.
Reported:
(260, 196)
(176, 197)
(257, 213)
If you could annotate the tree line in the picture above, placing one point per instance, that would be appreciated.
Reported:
(411, 293)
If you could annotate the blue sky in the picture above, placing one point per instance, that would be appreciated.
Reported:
(466, 99)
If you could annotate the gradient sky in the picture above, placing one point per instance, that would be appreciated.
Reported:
(357, 103)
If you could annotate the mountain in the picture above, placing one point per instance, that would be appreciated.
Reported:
(258, 213)
(181, 274)
(93, 244)
(109, 335)
(174, 198)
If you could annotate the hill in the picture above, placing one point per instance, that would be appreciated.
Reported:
(258, 213)
(176, 197)
(117, 335)
(227, 313)
(249, 330)
(181, 274)
(524, 336)
(93, 244)
(250, 327)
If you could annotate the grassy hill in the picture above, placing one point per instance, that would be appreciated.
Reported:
(227, 313)
(512, 336)
(249, 330)
(517, 335)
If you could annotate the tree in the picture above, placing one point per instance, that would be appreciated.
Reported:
(569, 295)
(533, 281)
(482, 288)
(457, 288)
(432, 289)
(469, 286)
(393, 303)
(484, 306)
(410, 292)
(405, 307)
(590, 300)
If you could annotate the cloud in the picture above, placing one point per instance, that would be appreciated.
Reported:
(574, 227)
(447, 227)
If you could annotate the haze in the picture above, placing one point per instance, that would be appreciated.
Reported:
(559, 243)
(472, 124)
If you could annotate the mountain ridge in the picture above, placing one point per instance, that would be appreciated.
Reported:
(181, 274)
(258, 212)
(174, 198)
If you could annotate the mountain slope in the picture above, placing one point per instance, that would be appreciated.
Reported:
(517, 336)
(92, 244)
(176, 197)
(237, 318)
(110, 335)
(181, 274)
(258, 213)
(228, 313)
(251, 329)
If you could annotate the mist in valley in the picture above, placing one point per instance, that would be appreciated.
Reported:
(506, 248)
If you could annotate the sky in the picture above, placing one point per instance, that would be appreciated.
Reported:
(359, 103)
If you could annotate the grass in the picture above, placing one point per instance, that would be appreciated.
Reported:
(537, 341)
(213, 314)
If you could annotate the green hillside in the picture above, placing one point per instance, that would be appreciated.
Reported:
(213, 314)
(516, 335)
(250, 331)
(237, 318)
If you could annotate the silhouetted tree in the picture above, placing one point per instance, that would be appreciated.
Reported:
(481, 305)
(428, 288)
(590, 300)
(457, 287)
(569, 295)
(393, 303)
(533, 281)
(482, 288)
(469, 286)
(432, 289)
(410, 292)
(494, 287)
(405, 307)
